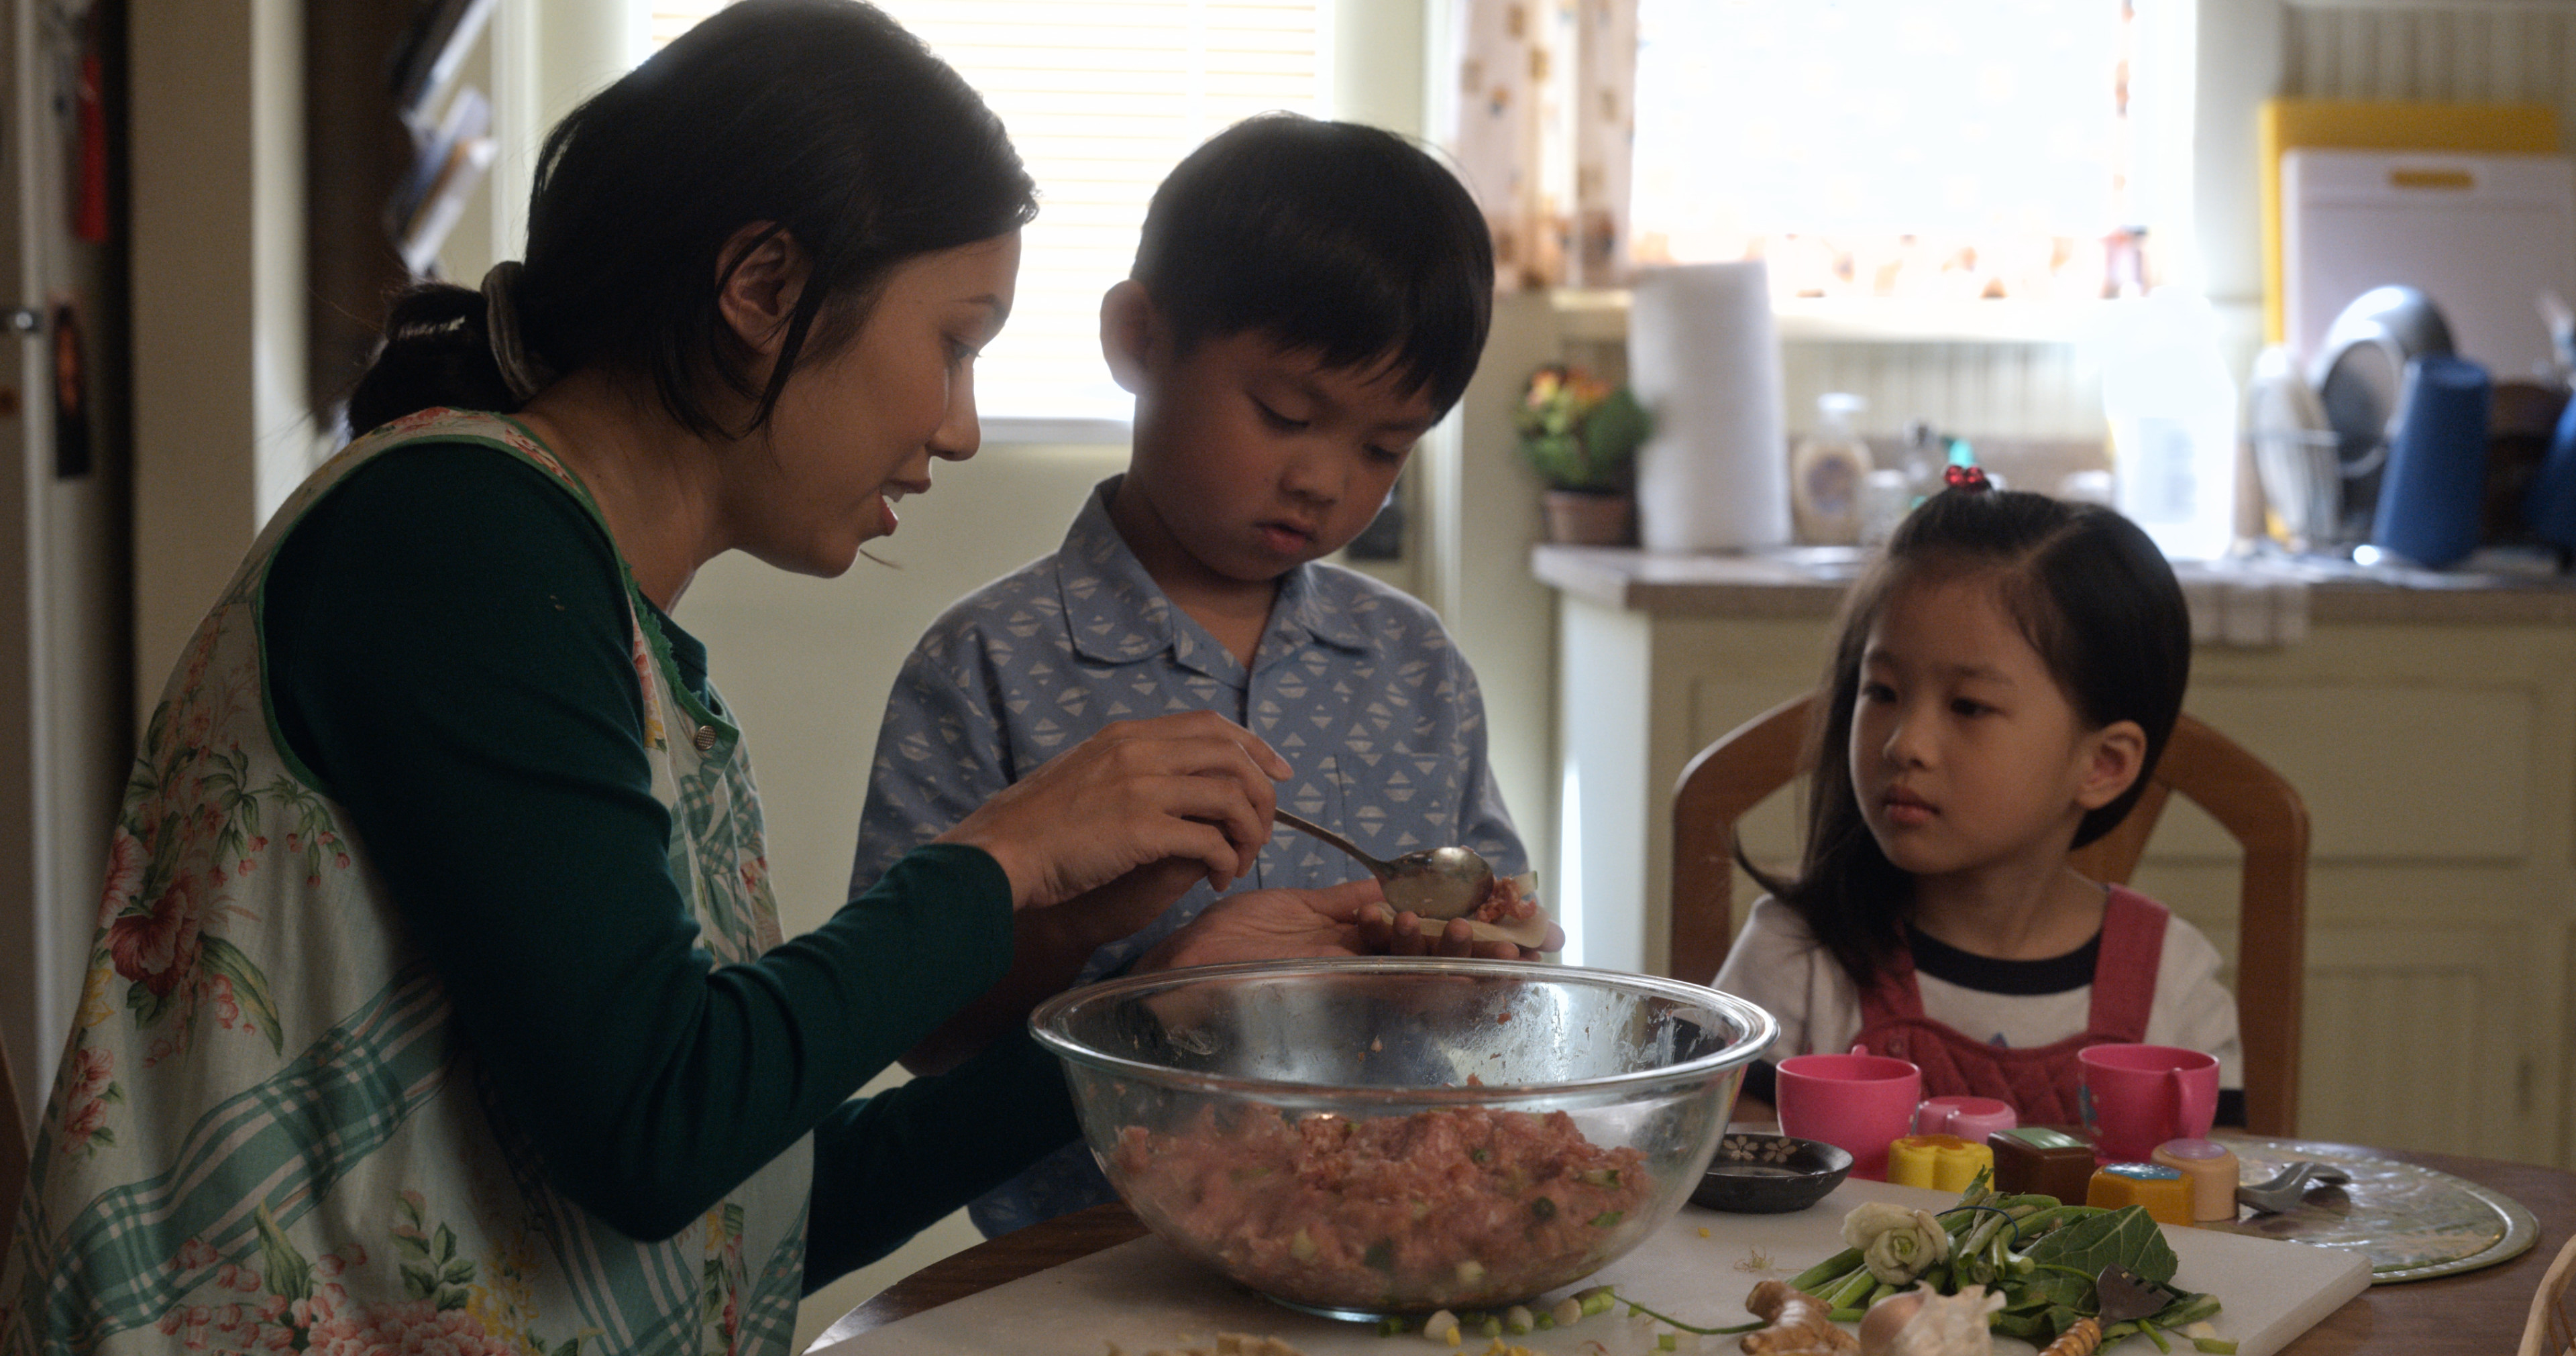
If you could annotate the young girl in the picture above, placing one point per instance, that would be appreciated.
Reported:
(2005, 678)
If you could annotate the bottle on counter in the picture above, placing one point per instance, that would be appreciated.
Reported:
(2172, 410)
(1885, 499)
(1926, 456)
(1826, 472)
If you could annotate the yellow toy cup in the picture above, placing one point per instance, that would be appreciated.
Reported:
(1939, 1162)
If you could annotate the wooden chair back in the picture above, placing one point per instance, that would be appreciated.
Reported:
(2256, 805)
(2551, 1328)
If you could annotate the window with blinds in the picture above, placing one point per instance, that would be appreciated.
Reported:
(1102, 97)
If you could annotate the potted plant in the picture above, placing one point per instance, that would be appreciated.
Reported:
(1581, 435)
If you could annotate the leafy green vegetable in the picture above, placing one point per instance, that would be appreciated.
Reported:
(2126, 1237)
(2042, 1255)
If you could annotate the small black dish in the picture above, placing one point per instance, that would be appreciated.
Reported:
(1770, 1174)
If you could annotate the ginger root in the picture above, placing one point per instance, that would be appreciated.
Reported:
(1798, 1324)
(2083, 1339)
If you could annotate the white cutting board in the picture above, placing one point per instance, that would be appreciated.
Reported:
(2479, 234)
(1142, 1296)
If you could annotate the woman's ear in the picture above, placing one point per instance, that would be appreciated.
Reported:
(2118, 752)
(1129, 329)
(759, 296)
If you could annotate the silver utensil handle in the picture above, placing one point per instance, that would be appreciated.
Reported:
(1376, 868)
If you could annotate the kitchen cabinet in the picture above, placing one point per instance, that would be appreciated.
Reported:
(2432, 733)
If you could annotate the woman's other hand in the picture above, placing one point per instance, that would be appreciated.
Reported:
(1261, 925)
(1386, 932)
(1194, 786)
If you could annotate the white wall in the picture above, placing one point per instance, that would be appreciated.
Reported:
(221, 433)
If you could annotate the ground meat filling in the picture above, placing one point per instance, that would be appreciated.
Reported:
(1464, 1207)
(1503, 903)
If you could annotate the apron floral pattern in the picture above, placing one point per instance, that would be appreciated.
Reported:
(261, 1138)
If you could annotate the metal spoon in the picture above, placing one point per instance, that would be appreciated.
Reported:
(1439, 883)
(2289, 1187)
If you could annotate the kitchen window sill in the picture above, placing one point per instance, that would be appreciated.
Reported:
(1601, 314)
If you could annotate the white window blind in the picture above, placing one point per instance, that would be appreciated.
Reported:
(1885, 147)
(1102, 98)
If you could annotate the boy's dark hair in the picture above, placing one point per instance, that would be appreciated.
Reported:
(2090, 593)
(822, 117)
(1330, 237)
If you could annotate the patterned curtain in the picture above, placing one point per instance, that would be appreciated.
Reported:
(1546, 115)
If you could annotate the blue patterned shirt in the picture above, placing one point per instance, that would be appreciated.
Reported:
(1353, 682)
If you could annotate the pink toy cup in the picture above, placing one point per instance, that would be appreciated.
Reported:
(1970, 1118)
(1858, 1103)
(2136, 1097)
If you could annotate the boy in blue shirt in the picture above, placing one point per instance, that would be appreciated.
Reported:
(1308, 299)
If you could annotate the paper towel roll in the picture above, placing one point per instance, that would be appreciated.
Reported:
(1703, 356)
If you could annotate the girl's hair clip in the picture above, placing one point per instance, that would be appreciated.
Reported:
(1966, 479)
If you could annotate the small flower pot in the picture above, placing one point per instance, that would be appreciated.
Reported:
(1586, 518)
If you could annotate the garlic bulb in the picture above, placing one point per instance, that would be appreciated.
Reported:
(1918, 1322)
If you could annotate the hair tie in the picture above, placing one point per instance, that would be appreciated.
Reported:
(1966, 479)
(523, 374)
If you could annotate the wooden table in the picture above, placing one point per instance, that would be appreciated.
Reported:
(2477, 1313)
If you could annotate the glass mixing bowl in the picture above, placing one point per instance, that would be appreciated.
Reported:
(1376, 1136)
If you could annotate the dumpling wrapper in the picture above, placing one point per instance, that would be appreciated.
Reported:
(1528, 932)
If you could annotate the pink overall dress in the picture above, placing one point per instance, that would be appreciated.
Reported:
(2040, 1081)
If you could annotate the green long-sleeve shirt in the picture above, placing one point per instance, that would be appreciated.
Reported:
(449, 653)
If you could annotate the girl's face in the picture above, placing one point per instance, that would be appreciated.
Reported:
(1965, 753)
(856, 430)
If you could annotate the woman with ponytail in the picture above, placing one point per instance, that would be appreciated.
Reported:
(437, 992)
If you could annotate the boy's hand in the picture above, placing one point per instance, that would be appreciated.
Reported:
(1385, 932)
(1270, 925)
(1194, 786)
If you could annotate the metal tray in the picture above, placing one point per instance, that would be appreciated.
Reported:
(2411, 1222)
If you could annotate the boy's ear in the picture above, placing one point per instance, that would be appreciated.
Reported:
(2119, 751)
(1129, 329)
(759, 296)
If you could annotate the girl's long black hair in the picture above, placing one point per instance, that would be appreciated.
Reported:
(2090, 593)
(822, 118)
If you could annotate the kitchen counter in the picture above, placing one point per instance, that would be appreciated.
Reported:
(1808, 583)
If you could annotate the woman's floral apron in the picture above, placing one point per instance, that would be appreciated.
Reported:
(262, 1137)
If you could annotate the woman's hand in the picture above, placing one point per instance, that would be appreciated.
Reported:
(1194, 786)
(1260, 925)
(1385, 932)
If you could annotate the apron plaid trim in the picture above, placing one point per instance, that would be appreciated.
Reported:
(297, 1134)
